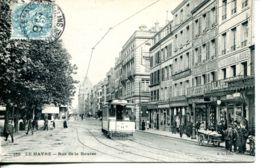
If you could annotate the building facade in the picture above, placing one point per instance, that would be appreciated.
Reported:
(135, 77)
(202, 66)
(170, 70)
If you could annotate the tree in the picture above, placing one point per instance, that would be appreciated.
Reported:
(32, 72)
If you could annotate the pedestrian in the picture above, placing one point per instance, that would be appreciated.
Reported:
(30, 127)
(242, 137)
(46, 124)
(9, 131)
(143, 125)
(35, 124)
(65, 125)
(147, 124)
(181, 129)
(234, 137)
(228, 138)
(53, 124)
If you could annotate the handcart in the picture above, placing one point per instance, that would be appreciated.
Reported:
(209, 137)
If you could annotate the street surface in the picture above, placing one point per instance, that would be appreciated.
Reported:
(83, 141)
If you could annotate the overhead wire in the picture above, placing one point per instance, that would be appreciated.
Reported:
(114, 26)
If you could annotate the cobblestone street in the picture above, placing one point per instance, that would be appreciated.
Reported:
(83, 141)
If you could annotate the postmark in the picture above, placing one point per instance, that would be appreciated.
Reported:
(37, 21)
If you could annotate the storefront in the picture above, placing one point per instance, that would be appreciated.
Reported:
(180, 114)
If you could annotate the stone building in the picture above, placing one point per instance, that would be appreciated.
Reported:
(135, 70)
(170, 70)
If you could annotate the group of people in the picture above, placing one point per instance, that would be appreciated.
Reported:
(235, 137)
(32, 124)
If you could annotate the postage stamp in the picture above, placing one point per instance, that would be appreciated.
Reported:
(37, 21)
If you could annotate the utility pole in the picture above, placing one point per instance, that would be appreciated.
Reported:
(140, 104)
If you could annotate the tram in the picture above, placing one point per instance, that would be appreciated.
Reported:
(117, 120)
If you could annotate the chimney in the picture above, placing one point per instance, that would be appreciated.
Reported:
(167, 18)
(156, 26)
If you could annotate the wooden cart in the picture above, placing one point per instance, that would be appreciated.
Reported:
(209, 137)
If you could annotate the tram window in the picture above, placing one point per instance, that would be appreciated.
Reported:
(112, 112)
(119, 112)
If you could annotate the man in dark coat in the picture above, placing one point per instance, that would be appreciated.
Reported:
(30, 127)
(9, 131)
(181, 130)
(228, 138)
(46, 124)
(143, 125)
(234, 137)
(242, 137)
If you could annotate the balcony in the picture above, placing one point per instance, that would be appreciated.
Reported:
(244, 4)
(130, 74)
(233, 11)
(181, 74)
(202, 89)
(224, 52)
(233, 47)
(224, 17)
(244, 43)
(233, 83)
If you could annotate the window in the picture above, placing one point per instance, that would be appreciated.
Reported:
(244, 68)
(224, 73)
(176, 19)
(233, 39)
(203, 55)
(213, 17)
(181, 16)
(224, 43)
(188, 9)
(204, 23)
(199, 55)
(204, 79)
(213, 76)
(212, 49)
(224, 9)
(170, 71)
(187, 34)
(151, 62)
(234, 7)
(176, 66)
(196, 28)
(244, 3)
(244, 34)
(169, 50)
(187, 62)
(233, 71)
(181, 39)
(162, 74)
(176, 42)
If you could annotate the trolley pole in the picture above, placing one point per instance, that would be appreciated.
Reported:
(140, 104)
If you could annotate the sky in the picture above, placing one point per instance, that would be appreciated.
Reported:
(88, 20)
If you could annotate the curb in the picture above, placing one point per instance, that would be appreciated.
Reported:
(168, 136)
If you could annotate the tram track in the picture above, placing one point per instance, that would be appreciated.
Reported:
(83, 144)
(93, 130)
(175, 154)
(118, 149)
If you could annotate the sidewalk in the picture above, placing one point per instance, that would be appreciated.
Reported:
(176, 136)
(20, 134)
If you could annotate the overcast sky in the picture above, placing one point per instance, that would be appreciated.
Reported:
(88, 20)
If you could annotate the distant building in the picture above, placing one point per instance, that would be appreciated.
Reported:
(84, 89)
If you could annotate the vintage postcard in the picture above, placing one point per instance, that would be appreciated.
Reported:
(161, 81)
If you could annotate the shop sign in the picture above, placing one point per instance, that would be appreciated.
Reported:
(229, 97)
(237, 95)
(234, 59)
(2, 108)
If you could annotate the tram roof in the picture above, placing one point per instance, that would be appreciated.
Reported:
(119, 102)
